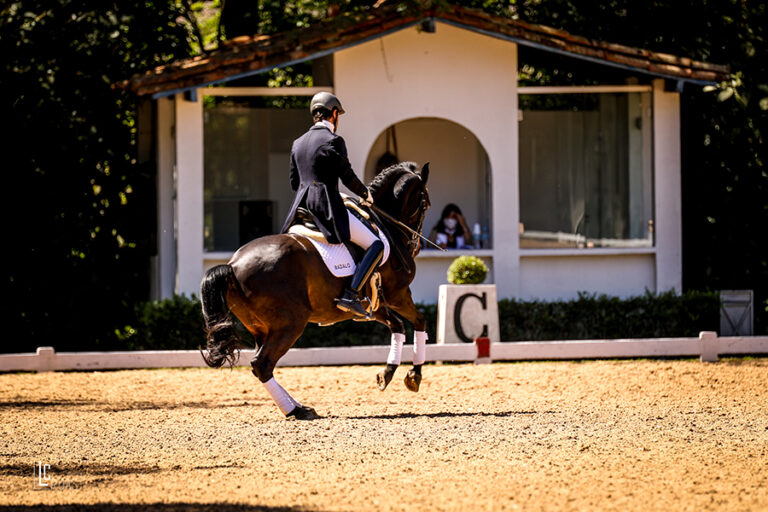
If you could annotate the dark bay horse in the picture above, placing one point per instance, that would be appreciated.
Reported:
(276, 285)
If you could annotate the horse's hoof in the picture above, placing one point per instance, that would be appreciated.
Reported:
(383, 378)
(303, 412)
(412, 381)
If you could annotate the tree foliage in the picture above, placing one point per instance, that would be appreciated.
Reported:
(81, 208)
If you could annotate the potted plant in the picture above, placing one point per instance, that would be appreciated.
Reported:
(467, 270)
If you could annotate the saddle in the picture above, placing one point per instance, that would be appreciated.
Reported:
(337, 257)
(304, 218)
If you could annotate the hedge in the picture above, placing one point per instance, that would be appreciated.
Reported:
(603, 317)
(177, 323)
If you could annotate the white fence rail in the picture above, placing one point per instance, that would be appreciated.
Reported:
(707, 346)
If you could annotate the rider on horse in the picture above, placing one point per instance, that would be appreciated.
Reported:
(318, 161)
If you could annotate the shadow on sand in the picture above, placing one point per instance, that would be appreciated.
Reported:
(154, 507)
(118, 406)
(411, 415)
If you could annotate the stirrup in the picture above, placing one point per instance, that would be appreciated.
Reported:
(353, 306)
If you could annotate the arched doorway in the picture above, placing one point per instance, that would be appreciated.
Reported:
(459, 165)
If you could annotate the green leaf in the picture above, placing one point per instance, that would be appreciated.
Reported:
(725, 94)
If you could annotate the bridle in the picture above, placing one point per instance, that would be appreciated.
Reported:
(415, 240)
(413, 236)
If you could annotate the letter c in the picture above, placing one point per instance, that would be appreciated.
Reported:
(457, 315)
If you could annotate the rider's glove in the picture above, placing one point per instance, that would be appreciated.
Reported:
(367, 200)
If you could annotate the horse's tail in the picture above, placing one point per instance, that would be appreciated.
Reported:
(221, 337)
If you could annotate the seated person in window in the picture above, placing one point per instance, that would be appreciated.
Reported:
(451, 231)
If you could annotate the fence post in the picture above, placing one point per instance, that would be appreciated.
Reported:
(483, 350)
(45, 356)
(708, 346)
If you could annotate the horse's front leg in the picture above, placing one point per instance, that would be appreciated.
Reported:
(408, 310)
(397, 328)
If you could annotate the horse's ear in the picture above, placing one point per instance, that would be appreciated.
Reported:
(424, 173)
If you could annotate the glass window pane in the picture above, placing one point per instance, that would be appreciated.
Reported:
(586, 170)
(247, 144)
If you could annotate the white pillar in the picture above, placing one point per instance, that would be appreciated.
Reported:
(164, 265)
(505, 164)
(189, 194)
(667, 192)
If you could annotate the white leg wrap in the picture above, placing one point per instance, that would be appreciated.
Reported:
(284, 401)
(419, 347)
(396, 348)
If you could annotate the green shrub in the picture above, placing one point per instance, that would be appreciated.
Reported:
(602, 317)
(169, 324)
(467, 270)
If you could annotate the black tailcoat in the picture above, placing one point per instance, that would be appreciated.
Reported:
(318, 161)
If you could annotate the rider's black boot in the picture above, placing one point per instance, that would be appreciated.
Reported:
(350, 300)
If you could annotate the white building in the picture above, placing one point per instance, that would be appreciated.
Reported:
(578, 187)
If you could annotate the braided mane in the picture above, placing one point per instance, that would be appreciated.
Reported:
(386, 178)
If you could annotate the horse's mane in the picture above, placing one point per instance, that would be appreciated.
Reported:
(390, 175)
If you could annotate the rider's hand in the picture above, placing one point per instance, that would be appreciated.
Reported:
(367, 200)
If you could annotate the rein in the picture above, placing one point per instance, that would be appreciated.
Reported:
(413, 244)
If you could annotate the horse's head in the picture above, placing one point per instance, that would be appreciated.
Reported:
(401, 191)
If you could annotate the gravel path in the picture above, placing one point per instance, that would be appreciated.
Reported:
(599, 435)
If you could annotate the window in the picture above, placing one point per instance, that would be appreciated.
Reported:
(247, 144)
(586, 170)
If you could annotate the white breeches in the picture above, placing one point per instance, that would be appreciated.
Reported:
(359, 234)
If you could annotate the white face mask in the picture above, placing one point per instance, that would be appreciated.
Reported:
(450, 223)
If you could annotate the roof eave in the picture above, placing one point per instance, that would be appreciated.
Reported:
(547, 39)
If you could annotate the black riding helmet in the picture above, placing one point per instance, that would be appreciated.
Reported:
(327, 101)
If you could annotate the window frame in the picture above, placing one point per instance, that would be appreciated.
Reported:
(594, 89)
(251, 92)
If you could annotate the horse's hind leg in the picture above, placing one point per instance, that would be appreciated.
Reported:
(413, 377)
(263, 365)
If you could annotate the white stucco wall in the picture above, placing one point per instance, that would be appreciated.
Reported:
(554, 277)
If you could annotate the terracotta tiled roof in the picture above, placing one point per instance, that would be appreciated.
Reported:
(249, 55)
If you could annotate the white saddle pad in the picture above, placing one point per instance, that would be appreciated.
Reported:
(335, 256)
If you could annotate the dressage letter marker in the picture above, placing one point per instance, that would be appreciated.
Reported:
(465, 312)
